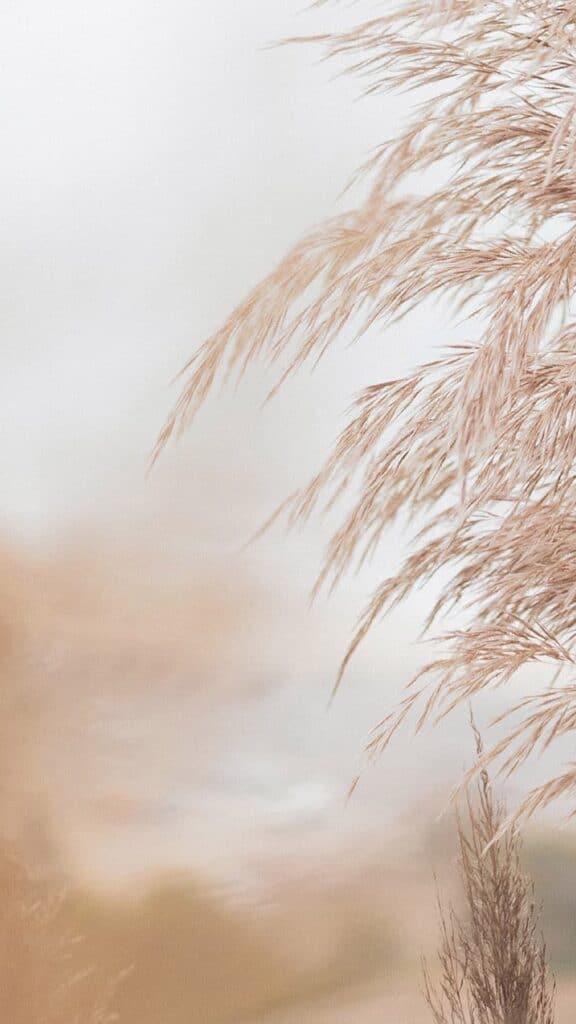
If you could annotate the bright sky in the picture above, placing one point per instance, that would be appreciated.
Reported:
(157, 158)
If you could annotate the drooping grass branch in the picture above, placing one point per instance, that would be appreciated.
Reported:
(478, 447)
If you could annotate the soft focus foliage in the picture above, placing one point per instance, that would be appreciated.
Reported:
(476, 448)
(39, 983)
(197, 960)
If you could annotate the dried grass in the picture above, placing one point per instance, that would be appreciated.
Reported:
(477, 448)
(492, 960)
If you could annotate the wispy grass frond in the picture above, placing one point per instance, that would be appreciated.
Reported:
(478, 448)
(492, 960)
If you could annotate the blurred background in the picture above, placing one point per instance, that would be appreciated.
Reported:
(169, 758)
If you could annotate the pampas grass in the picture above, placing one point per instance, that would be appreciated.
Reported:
(476, 448)
(492, 960)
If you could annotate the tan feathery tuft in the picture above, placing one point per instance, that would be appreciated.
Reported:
(478, 448)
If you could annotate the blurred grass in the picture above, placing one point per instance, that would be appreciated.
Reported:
(194, 959)
(319, 944)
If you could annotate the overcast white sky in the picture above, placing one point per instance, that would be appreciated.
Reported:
(157, 158)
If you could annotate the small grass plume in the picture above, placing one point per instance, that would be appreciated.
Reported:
(477, 448)
(492, 960)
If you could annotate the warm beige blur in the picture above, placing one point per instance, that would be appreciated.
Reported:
(324, 943)
(314, 926)
(207, 877)
(107, 622)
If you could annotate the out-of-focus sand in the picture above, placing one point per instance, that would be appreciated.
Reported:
(387, 1006)
(325, 948)
(365, 1007)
